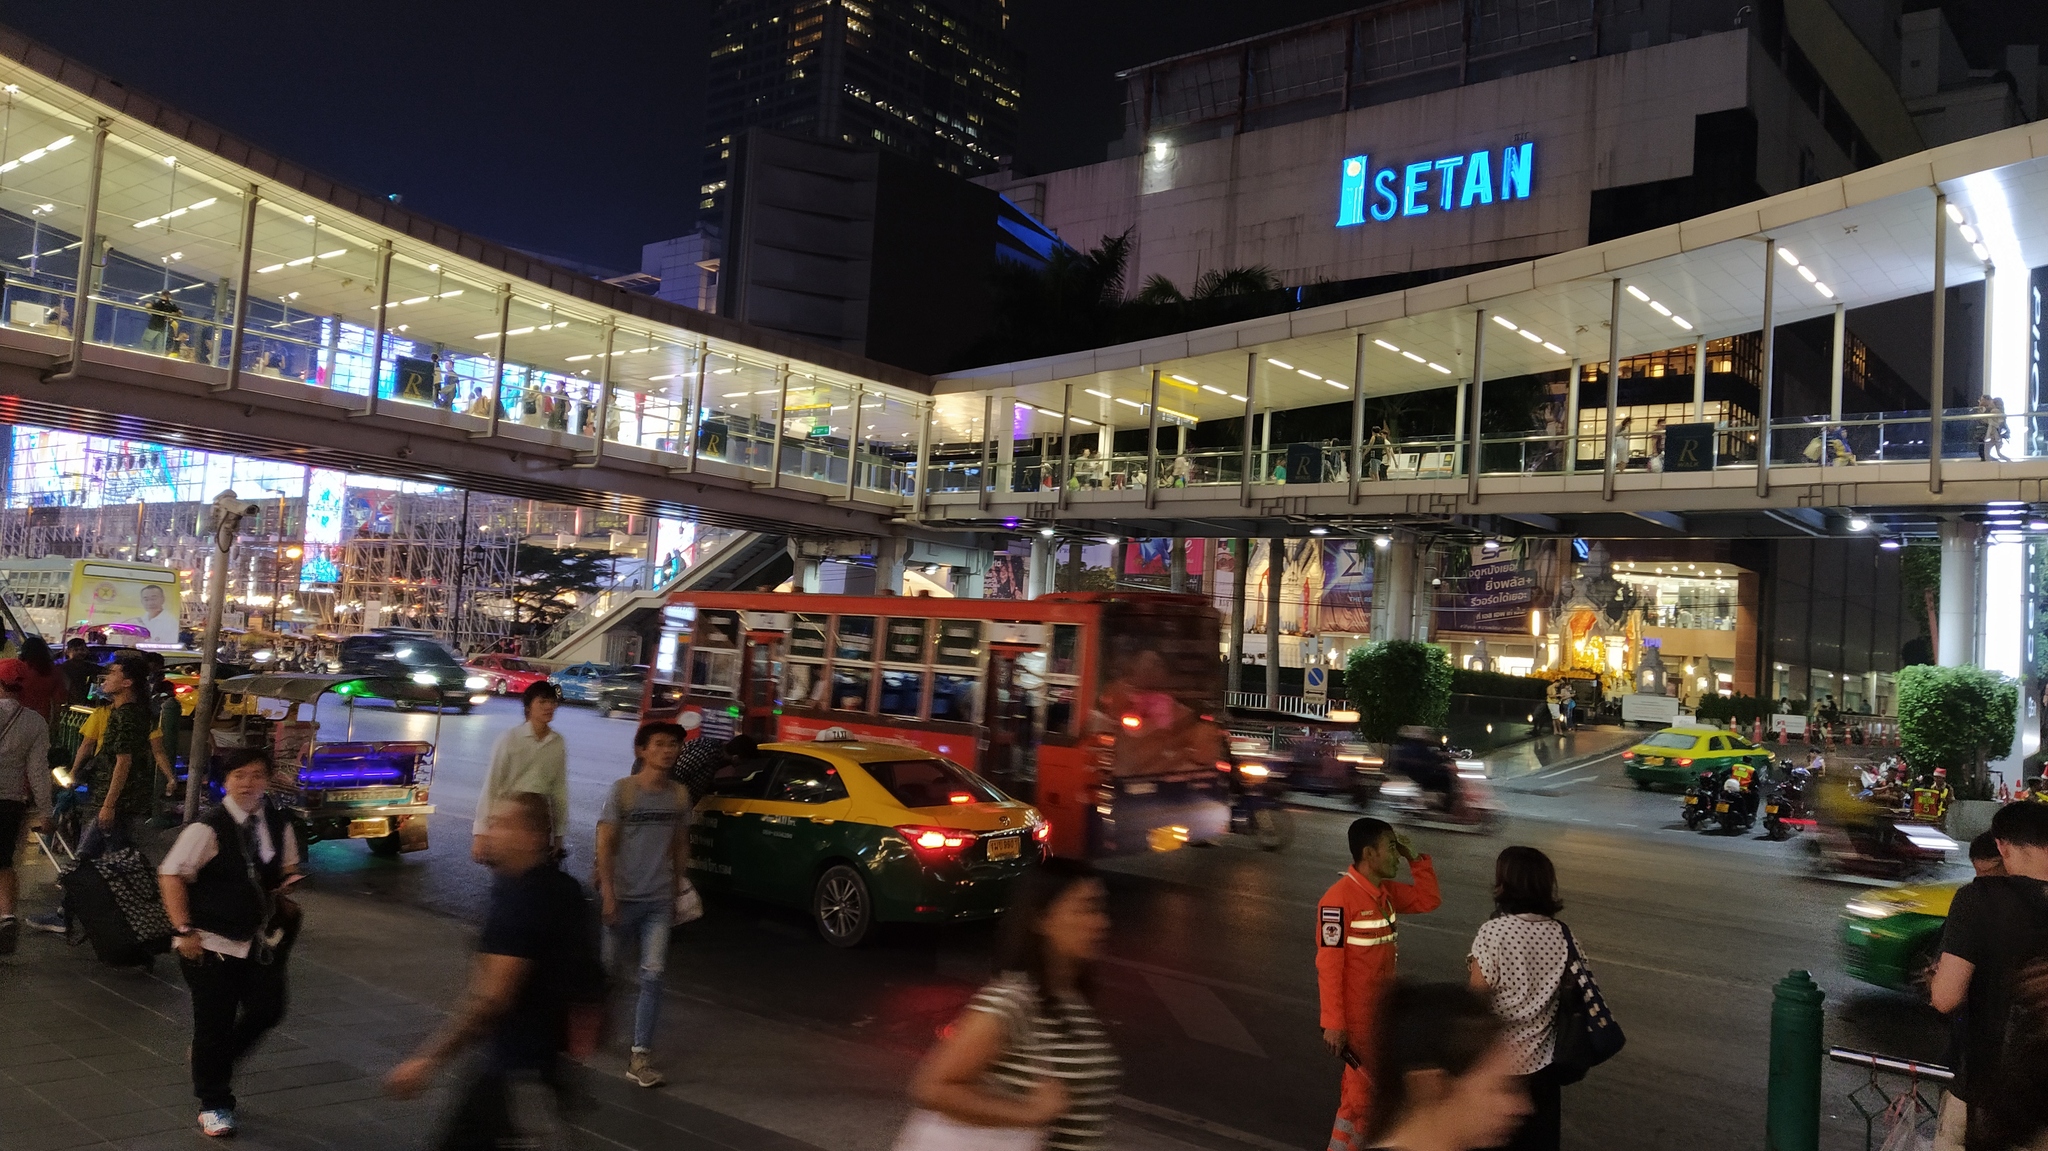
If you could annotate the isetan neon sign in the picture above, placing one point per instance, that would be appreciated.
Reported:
(1426, 186)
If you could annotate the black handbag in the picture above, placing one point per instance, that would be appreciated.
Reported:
(1587, 1034)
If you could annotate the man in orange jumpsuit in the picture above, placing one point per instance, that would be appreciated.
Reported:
(1357, 937)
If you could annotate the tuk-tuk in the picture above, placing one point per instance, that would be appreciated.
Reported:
(373, 790)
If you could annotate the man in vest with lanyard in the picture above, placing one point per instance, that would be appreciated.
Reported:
(223, 883)
(1357, 936)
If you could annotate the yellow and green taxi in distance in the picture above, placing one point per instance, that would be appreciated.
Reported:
(862, 831)
(1892, 936)
(1677, 755)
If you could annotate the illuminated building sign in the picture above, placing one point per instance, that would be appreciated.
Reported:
(1442, 185)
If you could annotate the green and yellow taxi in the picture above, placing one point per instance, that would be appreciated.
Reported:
(862, 831)
(1677, 755)
(1892, 936)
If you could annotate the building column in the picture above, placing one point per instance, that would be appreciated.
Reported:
(1004, 429)
(889, 565)
(1039, 565)
(1074, 563)
(1240, 566)
(1177, 564)
(1956, 643)
(1393, 607)
(968, 578)
(1276, 567)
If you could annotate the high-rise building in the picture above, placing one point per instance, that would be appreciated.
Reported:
(936, 80)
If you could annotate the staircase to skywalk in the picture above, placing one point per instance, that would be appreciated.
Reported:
(747, 559)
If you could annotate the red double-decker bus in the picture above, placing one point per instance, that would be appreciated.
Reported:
(1098, 707)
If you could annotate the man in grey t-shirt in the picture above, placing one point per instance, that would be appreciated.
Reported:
(643, 857)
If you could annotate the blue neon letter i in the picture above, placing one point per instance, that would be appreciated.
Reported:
(1351, 192)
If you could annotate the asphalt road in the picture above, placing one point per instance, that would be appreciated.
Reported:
(1210, 985)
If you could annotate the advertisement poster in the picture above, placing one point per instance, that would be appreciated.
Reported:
(1301, 586)
(1154, 556)
(1495, 597)
(1346, 603)
(108, 594)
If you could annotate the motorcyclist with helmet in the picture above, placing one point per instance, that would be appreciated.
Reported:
(1418, 756)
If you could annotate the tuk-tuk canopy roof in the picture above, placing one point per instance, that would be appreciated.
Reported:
(305, 688)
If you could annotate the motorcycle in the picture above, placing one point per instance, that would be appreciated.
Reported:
(1734, 806)
(1255, 807)
(1468, 805)
(1786, 809)
(1880, 847)
(1699, 799)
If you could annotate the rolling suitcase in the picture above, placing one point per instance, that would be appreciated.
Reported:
(114, 897)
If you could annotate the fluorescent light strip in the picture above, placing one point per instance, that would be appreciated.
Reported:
(1969, 234)
(1416, 358)
(1096, 394)
(1806, 273)
(1340, 385)
(1659, 308)
(1238, 398)
(1786, 255)
(39, 153)
(1306, 372)
(1955, 213)
(1531, 336)
(1681, 322)
(1082, 422)
(1638, 293)
(1386, 345)
(1215, 389)
(1439, 367)
(1184, 380)
(174, 213)
(1279, 363)
(1504, 322)
(1130, 403)
(1550, 347)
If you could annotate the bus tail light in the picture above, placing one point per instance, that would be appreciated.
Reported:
(1222, 765)
(1132, 722)
(936, 842)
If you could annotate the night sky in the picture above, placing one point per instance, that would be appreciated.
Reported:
(572, 130)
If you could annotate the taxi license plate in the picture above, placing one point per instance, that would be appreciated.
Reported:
(1652, 761)
(1005, 848)
(369, 828)
(1770, 809)
(1720, 807)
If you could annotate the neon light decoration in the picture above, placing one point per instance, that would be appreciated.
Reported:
(1443, 185)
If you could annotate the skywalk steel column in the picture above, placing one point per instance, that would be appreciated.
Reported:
(1613, 394)
(1571, 418)
(1768, 392)
(498, 365)
(604, 398)
(1478, 403)
(1152, 445)
(1276, 566)
(1984, 373)
(383, 324)
(988, 423)
(694, 418)
(1937, 391)
(1067, 457)
(241, 293)
(921, 483)
(1699, 380)
(1251, 399)
(1835, 366)
(1961, 576)
(81, 291)
(775, 447)
(852, 438)
(1357, 414)
(1241, 566)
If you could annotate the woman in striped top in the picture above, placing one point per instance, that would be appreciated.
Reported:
(1029, 1053)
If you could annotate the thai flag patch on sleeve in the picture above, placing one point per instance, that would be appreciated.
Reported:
(1332, 926)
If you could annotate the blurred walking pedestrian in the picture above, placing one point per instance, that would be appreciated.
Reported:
(1442, 1078)
(122, 796)
(224, 885)
(1517, 961)
(24, 793)
(643, 861)
(1357, 939)
(43, 687)
(1029, 1054)
(79, 669)
(532, 972)
(529, 758)
(1996, 937)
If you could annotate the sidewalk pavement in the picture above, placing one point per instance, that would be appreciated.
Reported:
(1543, 753)
(92, 1056)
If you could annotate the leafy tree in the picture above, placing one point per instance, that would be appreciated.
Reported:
(1252, 281)
(1920, 584)
(1393, 683)
(550, 581)
(1957, 717)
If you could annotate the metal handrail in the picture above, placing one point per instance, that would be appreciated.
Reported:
(1872, 1090)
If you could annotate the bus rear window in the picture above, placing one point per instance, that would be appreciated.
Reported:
(930, 782)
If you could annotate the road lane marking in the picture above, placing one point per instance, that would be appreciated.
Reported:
(1203, 1015)
(1201, 1124)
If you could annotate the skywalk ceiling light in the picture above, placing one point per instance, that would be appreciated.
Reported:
(1955, 212)
(1981, 252)
(1786, 255)
(1439, 367)
(1238, 398)
(1386, 345)
(1858, 523)
(174, 213)
(1550, 347)
(1319, 531)
(1096, 394)
(1639, 294)
(1215, 389)
(1531, 336)
(1416, 358)
(1504, 322)
(1889, 545)
(1185, 380)
(1969, 234)
(1663, 311)
(1364, 194)
(32, 156)
(1306, 372)
(1279, 363)
(1382, 541)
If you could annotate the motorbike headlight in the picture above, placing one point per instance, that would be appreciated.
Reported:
(476, 683)
(1255, 770)
(1868, 909)
(423, 678)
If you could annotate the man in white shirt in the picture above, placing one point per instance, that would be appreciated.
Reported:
(162, 625)
(223, 884)
(531, 758)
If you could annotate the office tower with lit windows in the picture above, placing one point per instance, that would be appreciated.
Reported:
(935, 80)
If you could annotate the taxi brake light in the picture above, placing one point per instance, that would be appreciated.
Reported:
(936, 841)
(1628, 755)
(1042, 832)
(1683, 762)
(1133, 722)
(1222, 765)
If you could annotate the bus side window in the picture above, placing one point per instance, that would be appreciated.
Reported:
(850, 687)
(902, 694)
(804, 684)
(1066, 649)
(955, 698)
(1059, 709)
(714, 672)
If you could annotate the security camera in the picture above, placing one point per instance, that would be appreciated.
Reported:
(229, 504)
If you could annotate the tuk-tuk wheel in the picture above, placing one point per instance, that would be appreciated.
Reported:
(384, 845)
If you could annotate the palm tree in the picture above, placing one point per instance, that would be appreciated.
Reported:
(1159, 291)
(1255, 280)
